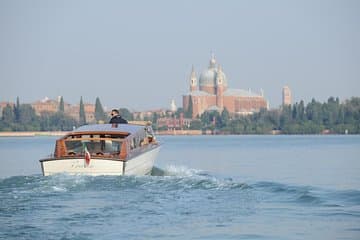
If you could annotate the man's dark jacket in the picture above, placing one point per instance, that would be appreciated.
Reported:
(118, 119)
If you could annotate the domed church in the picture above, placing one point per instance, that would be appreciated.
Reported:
(212, 94)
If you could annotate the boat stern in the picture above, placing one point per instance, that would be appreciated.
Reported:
(80, 166)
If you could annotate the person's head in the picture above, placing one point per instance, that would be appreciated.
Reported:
(114, 112)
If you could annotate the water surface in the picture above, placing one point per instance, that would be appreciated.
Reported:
(203, 187)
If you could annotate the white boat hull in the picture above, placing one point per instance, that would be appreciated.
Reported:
(140, 164)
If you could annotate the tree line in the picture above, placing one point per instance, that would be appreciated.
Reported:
(22, 117)
(312, 118)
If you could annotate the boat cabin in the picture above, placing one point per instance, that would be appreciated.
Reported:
(115, 141)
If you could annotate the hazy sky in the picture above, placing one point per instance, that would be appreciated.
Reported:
(138, 54)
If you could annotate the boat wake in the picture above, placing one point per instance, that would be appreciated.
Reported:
(177, 180)
(193, 179)
(178, 176)
(179, 171)
(168, 197)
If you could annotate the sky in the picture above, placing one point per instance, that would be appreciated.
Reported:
(139, 54)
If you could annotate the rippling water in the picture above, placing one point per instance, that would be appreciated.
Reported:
(222, 187)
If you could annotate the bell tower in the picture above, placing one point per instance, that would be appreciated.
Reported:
(193, 80)
(286, 96)
(220, 88)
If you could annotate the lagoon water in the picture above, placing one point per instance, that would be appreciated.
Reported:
(203, 187)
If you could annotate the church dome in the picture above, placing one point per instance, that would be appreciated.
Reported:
(208, 77)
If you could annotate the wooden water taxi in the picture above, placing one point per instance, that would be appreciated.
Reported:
(104, 149)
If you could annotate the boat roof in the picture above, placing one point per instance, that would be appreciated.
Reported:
(110, 128)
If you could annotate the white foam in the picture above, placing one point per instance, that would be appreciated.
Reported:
(193, 177)
(59, 189)
(181, 171)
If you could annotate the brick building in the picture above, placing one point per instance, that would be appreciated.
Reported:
(173, 122)
(52, 106)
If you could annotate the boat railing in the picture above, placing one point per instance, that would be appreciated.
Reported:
(142, 123)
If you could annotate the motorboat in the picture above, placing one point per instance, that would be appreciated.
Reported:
(104, 149)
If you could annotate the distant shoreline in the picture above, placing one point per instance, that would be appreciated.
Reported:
(179, 132)
(33, 133)
(159, 133)
(63, 133)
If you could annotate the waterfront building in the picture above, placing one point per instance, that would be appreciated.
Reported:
(149, 115)
(171, 123)
(47, 105)
(4, 104)
(212, 93)
(74, 111)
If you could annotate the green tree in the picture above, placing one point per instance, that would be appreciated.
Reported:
(225, 117)
(61, 105)
(264, 121)
(56, 122)
(8, 115)
(273, 117)
(301, 111)
(352, 115)
(17, 110)
(125, 113)
(189, 111)
(294, 113)
(61, 122)
(333, 106)
(285, 117)
(154, 119)
(27, 114)
(211, 120)
(239, 125)
(179, 111)
(205, 119)
(314, 111)
(195, 124)
(45, 123)
(99, 111)
(82, 116)
(341, 115)
(28, 120)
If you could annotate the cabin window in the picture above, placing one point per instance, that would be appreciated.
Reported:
(74, 147)
(95, 147)
(111, 146)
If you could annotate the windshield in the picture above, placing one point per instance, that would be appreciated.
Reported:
(75, 147)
